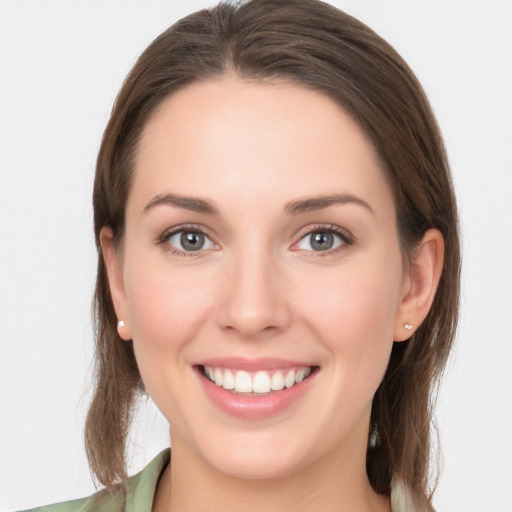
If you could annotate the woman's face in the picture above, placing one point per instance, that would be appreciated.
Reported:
(260, 249)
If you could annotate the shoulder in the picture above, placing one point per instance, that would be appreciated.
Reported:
(135, 496)
(98, 502)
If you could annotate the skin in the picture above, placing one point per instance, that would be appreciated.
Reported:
(258, 288)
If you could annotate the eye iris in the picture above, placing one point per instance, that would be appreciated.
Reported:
(192, 241)
(322, 241)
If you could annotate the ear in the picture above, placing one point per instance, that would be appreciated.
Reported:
(420, 284)
(112, 256)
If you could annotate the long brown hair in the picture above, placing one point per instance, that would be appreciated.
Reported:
(320, 47)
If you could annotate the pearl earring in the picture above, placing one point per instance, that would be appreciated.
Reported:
(409, 327)
(120, 324)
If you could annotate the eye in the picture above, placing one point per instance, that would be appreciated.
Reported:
(323, 240)
(189, 240)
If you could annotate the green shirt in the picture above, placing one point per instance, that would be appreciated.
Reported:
(136, 496)
(139, 491)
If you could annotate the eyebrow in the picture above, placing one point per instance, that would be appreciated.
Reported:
(319, 202)
(193, 204)
(198, 205)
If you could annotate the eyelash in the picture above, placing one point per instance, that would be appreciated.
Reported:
(346, 238)
(164, 238)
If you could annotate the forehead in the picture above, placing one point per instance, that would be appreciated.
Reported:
(250, 137)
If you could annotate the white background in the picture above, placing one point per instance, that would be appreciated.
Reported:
(61, 65)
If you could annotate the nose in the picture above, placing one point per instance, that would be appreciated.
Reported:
(254, 302)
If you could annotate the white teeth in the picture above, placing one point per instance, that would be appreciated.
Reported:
(289, 380)
(228, 381)
(243, 382)
(261, 383)
(218, 377)
(277, 382)
(300, 375)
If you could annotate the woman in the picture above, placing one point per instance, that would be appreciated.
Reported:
(278, 267)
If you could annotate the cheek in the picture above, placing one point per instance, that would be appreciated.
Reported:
(355, 316)
(167, 308)
(359, 298)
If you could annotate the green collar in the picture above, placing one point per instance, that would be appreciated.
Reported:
(136, 496)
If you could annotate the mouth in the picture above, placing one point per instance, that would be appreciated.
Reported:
(256, 383)
(258, 388)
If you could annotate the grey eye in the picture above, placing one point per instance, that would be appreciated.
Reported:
(190, 241)
(320, 241)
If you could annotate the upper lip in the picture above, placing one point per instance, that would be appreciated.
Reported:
(260, 363)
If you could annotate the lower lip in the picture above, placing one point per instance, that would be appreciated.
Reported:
(256, 406)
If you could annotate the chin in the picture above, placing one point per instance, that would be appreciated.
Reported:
(259, 455)
(252, 466)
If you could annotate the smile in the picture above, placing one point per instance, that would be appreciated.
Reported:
(259, 382)
(255, 389)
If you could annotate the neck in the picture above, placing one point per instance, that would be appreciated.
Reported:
(326, 485)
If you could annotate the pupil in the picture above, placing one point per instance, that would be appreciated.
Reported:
(192, 241)
(322, 241)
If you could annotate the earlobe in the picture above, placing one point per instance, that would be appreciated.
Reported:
(423, 278)
(113, 264)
